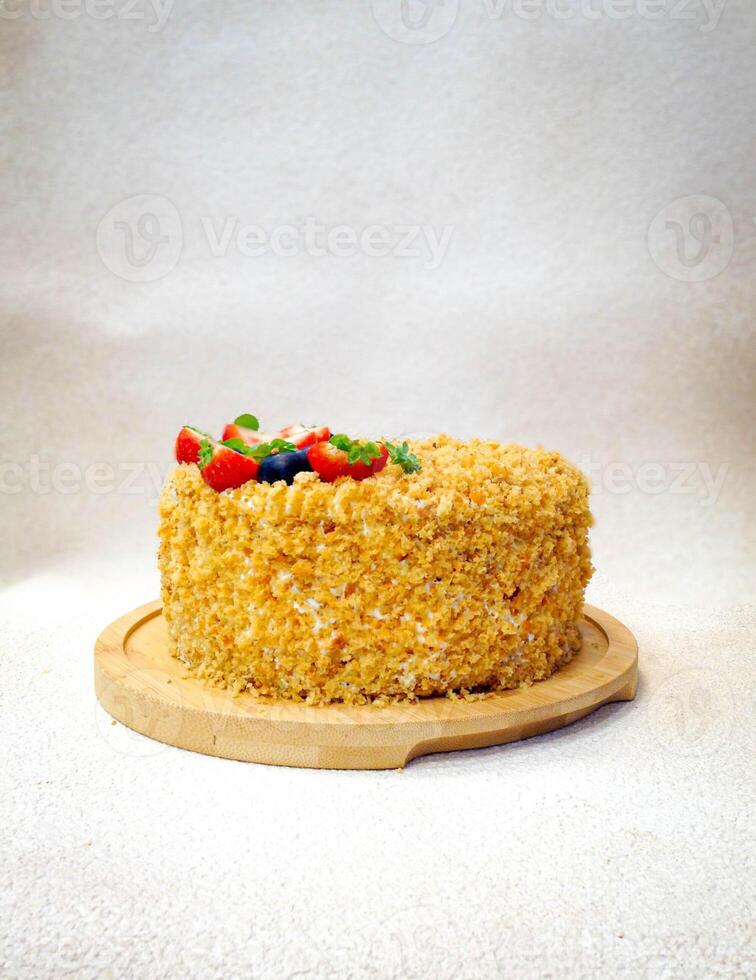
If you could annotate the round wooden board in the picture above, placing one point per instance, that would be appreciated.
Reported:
(141, 685)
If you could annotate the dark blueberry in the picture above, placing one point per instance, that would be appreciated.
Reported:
(284, 466)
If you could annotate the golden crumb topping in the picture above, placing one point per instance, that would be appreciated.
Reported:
(468, 575)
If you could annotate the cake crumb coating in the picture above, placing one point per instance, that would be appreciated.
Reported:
(466, 577)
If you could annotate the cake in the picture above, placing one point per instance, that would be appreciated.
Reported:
(459, 571)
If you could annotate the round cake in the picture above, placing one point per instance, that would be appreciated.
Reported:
(461, 576)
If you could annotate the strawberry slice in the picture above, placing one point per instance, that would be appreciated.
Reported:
(224, 468)
(188, 445)
(300, 436)
(331, 462)
(248, 436)
(305, 435)
(246, 427)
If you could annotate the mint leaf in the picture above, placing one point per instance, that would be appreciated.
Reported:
(265, 449)
(402, 456)
(238, 444)
(340, 441)
(357, 452)
(205, 453)
(247, 421)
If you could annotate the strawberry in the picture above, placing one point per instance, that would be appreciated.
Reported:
(188, 445)
(331, 460)
(245, 427)
(248, 436)
(360, 470)
(223, 468)
(299, 435)
(305, 435)
(328, 461)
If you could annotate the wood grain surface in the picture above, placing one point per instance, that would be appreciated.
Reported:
(141, 685)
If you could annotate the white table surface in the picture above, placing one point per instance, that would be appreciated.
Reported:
(620, 846)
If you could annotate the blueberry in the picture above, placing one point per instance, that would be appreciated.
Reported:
(284, 466)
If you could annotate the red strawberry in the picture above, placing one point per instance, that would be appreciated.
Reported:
(330, 462)
(360, 470)
(224, 468)
(305, 435)
(248, 436)
(188, 445)
(300, 435)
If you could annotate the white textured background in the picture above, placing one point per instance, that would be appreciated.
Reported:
(560, 313)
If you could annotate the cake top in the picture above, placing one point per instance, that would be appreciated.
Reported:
(317, 476)
(245, 454)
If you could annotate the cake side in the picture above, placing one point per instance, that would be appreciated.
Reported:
(466, 576)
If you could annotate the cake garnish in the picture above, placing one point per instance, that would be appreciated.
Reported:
(278, 459)
(263, 449)
(305, 435)
(402, 456)
(239, 445)
(283, 465)
(342, 456)
(355, 449)
(245, 453)
(224, 468)
(247, 421)
(298, 435)
(188, 444)
(206, 452)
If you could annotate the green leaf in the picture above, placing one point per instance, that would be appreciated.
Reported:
(340, 441)
(205, 453)
(402, 456)
(247, 421)
(238, 444)
(357, 452)
(265, 449)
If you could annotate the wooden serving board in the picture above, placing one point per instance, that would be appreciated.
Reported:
(141, 685)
